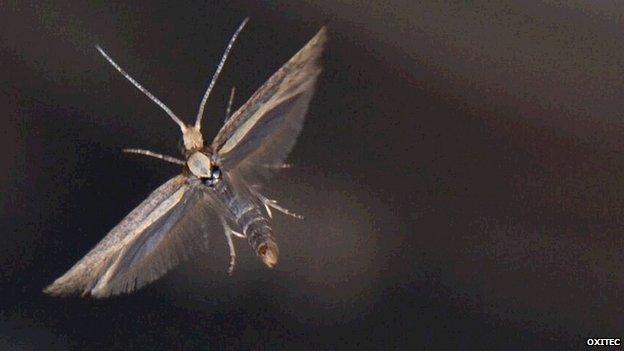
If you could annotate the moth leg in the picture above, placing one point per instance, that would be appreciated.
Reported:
(228, 235)
(153, 154)
(280, 166)
(268, 203)
(272, 203)
(274, 166)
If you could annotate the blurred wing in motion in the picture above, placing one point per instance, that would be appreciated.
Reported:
(263, 131)
(158, 234)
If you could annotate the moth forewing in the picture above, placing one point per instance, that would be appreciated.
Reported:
(273, 105)
(175, 236)
(296, 77)
(86, 273)
(265, 142)
(128, 258)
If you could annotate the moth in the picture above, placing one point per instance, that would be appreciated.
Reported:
(217, 178)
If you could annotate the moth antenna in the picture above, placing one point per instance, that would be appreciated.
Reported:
(202, 104)
(229, 106)
(153, 154)
(143, 90)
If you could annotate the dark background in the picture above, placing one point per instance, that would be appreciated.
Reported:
(461, 172)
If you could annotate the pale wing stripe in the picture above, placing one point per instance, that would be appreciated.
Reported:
(279, 83)
(162, 209)
(248, 125)
(85, 273)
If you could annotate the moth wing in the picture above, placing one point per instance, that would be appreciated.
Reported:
(162, 231)
(261, 133)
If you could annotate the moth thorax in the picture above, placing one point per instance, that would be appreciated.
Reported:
(199, 164)
(192, 138)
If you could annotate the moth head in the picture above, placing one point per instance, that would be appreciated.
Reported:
(192, 138)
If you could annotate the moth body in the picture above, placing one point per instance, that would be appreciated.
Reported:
(243, 206)
(248, 213)
(175, 220)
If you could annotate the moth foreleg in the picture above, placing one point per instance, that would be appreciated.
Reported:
(154, 154)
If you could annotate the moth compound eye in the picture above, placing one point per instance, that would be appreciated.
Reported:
(216, 173)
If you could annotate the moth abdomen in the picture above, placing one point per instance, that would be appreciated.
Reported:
(258, 231)
(260, 236)
(247, 211)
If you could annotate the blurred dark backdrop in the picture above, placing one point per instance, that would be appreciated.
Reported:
(461, 172)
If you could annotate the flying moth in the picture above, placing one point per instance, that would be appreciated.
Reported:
(217, 179)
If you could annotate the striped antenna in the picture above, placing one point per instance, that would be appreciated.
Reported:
(143, 90)
(202, 104)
